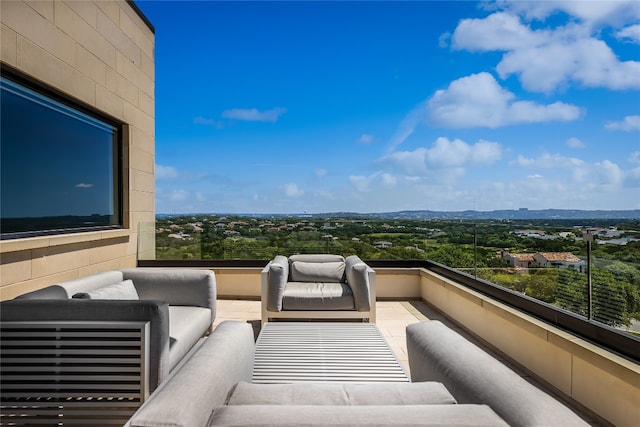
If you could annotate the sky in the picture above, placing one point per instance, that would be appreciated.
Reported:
(314, 107)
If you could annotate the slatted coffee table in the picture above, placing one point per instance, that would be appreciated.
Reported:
(288, 352)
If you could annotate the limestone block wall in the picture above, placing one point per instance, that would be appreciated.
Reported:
(605, 383)
(101, 53)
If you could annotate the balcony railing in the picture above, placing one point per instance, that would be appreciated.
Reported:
(551, 273)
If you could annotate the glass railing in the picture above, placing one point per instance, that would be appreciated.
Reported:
(546, 260)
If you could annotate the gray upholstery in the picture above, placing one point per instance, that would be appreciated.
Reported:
(122, 290)
(316, 258)
(72, 287)
(318, 283)
(317, 296)
(204, 382)
(365, 416)
(317, 271)
(437, 353)
(179, 303)
(187, 324)
(356, 272)
(341, 394)
(278, 276)
(177, 286)
(154, 312)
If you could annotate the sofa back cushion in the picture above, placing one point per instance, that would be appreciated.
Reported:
(92, 282)
(120, 291)
(316, 258)
(317, 271)
(68, 289)
(351, 394)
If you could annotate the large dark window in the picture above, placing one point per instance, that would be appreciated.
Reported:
(60, 166)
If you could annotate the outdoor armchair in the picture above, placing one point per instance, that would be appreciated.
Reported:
(318, 287)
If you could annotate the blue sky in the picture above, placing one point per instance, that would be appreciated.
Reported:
(292, 107)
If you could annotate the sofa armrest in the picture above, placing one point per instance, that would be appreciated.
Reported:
(175, 286)
(358, 277)
(154, 312)
(274, 278)
(437, 353)
(204, 382)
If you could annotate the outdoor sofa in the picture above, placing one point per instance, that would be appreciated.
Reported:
(318, 286)
(176, 308)
(213, 388)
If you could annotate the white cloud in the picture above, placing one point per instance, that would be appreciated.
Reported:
(447, 153)
(632, 179)
(635, 157)
(444, 160)
(254, 115)
(320, 173)
(575, 143)
(83, 185)
(631, 33)
(444, 39)
(408, 162)
(601, 176)
(326, 195)
(547, 161)
(166, 172)
(587, 61)
(629, 123)
(178, 195)
(361, 183)
(292, 190)
(365, 138)
(498, 31)
(535, 176)
(407, 126)
(591, 13)
(479, 101)
(389, 180)
(200, 120)
(547, 58)
(608, 173)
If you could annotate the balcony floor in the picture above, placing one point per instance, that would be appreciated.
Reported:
(392, 319)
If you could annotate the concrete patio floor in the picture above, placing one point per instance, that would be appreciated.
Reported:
(392, 319)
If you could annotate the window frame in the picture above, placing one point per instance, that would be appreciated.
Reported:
(118, 161)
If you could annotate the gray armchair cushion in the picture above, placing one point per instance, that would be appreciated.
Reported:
(341, 394)
(317, 296)
(317, 271)
(358, 280)
(437, 353)
(316, 258)
(119, 291)
(278, 275)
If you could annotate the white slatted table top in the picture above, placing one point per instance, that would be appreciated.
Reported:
(288, 352)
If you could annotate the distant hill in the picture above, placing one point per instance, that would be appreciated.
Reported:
(515, 214)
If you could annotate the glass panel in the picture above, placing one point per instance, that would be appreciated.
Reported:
(59, 166)
(545, 260)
